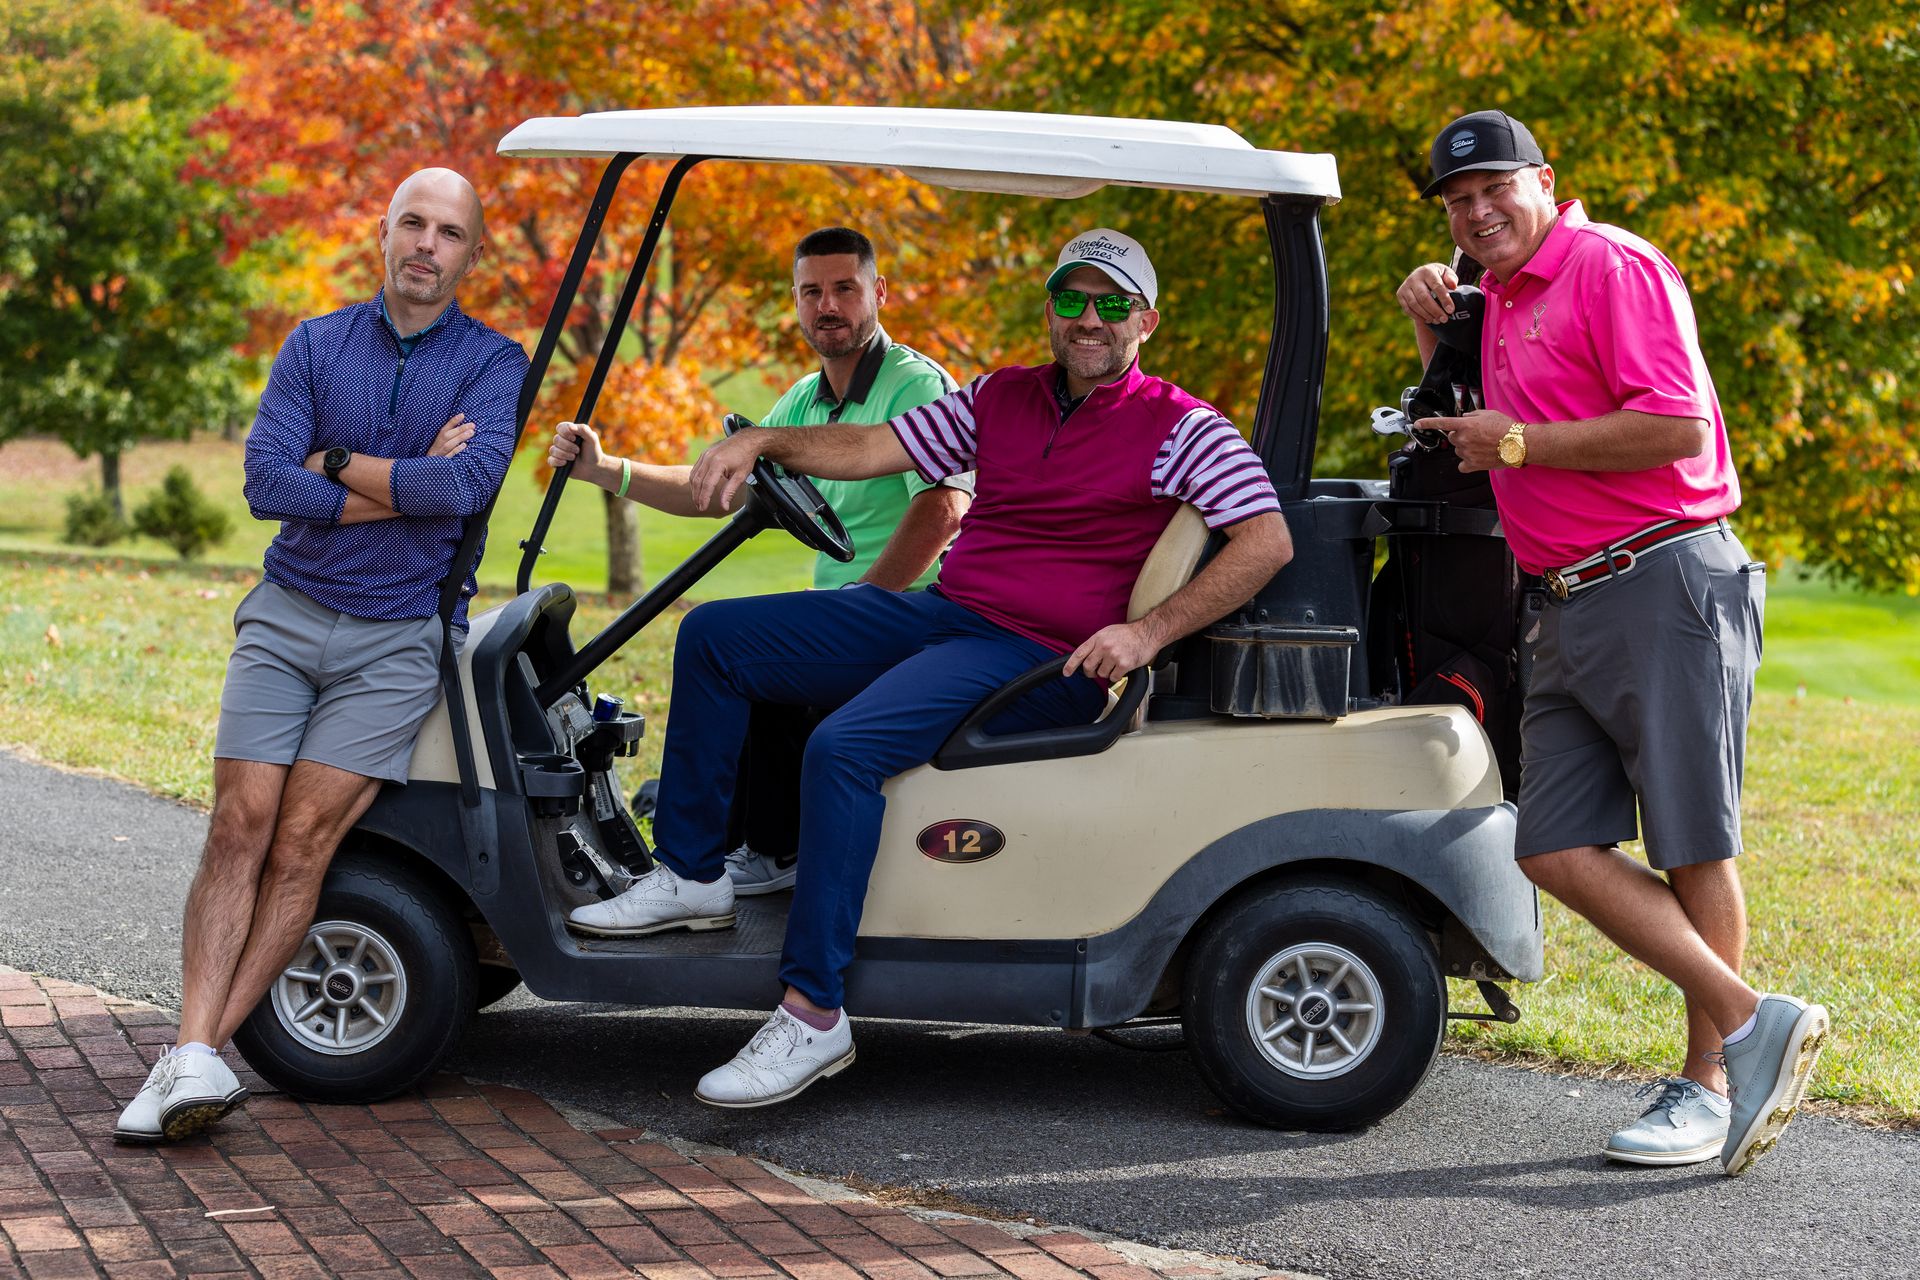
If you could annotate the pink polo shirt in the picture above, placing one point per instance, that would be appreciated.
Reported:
(1598, 320)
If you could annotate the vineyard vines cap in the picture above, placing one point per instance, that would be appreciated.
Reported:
(1119, 255)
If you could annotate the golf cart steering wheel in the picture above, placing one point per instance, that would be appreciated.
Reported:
(790, 501)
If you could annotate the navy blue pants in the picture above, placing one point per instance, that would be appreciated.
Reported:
(901, 669)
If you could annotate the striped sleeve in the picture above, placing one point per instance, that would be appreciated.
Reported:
(940, 435)
(1205, 462)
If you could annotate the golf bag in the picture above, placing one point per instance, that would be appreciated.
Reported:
(1450, 588)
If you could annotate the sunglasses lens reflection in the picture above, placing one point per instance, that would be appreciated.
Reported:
(1068, 304)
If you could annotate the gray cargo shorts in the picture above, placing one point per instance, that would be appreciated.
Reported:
(1639, 697)
(308, 683)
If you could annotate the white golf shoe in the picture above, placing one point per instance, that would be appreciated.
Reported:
(783, 1058)
(658, 901)
(140, 1120)
(204, 1089)
(184, 1093)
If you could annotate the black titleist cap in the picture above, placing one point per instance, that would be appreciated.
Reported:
(1482, 140)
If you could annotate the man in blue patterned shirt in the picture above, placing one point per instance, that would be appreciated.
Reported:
(384, 427)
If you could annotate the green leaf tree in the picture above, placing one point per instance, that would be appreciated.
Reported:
(1771, 149)
(119, 317)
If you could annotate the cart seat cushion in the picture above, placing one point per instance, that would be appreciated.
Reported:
(1171, 562)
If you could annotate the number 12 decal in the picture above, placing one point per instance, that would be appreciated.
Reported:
(961, 840)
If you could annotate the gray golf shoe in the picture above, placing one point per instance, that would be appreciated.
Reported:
(1767, 1074)
(756, 873)
(1684, 1125)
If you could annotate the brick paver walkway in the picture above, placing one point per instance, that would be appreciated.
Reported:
(459, 1180)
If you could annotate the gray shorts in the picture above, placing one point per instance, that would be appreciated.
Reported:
(308, 683)
(1640, 691)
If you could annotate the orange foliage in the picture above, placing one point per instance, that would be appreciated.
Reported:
(337, 102)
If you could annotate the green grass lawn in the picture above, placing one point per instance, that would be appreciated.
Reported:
(36, 476)
(115, 664)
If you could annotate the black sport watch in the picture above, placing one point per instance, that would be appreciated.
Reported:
(335, 460)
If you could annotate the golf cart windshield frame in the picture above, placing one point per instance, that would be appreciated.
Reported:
(1286, 416)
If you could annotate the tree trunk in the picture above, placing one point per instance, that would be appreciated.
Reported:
(623, 548)
(110, 483)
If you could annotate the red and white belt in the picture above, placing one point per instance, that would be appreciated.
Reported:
(1622, 556)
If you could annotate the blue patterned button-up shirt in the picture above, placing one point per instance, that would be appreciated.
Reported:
(345, 379)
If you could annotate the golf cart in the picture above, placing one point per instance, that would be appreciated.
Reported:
(1258, 839)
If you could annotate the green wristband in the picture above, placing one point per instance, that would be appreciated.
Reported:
(626, 478)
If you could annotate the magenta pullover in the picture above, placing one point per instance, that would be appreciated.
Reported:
(1066, 510)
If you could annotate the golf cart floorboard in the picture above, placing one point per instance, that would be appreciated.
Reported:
(760, 924)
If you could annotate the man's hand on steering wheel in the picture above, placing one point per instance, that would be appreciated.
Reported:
(724, 467)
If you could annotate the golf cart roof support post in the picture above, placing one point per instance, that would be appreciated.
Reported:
(650, 606)
(1287, 420)
(531, 545)
(469, 549)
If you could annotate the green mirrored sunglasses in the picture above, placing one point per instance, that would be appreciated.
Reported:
(1111, 307)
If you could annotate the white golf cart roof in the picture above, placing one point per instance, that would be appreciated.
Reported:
(1009, 152)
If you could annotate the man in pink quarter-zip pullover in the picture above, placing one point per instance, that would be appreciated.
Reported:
(1080, 464)
(1612, 473)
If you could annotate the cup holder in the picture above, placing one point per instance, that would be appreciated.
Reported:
(553, 783)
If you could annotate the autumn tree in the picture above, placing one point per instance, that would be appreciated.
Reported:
(344, 100)
(1771, 149)
(118, 312)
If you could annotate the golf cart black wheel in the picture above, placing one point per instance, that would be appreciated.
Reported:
(376, 997)
(495, 983)
(1314, 1005)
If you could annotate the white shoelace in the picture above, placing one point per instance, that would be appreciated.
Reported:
(661, 877)
(164, 1073)
(778, 1038)
(741, 857)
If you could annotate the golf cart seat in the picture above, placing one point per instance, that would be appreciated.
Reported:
(1171, 563)
(1169, 567)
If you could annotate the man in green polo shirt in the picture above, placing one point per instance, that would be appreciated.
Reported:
(900, 525)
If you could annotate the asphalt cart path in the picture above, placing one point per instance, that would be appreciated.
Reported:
(1486, 1171)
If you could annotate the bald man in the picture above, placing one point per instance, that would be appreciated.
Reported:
(384, 427)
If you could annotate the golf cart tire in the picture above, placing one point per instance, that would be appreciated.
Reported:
(409, 924)
(1259, 944)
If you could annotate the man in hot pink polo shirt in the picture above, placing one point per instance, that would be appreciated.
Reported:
(1613, 478)
(1079, 465)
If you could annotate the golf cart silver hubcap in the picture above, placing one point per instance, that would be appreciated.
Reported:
(1315, 1010)
(344, 992)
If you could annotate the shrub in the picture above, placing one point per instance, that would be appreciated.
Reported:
(181, 516)
(92, 522)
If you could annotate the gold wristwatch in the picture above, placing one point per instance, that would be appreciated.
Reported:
(1513, 445)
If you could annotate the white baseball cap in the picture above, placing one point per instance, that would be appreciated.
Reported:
(1114, 252)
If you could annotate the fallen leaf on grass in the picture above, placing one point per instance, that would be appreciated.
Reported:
(53, 635)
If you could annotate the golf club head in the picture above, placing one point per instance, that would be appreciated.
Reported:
(1461, 330)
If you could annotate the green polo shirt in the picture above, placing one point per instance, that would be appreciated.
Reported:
(890, 380)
